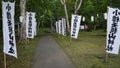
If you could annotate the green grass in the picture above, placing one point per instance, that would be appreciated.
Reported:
(88, 51)
(84, 52)
(25, 53)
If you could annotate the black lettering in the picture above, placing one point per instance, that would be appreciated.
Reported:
(11, 43)
(11, 36)
(8, 7)
(8, 15)
(113, 31)
(11, 50)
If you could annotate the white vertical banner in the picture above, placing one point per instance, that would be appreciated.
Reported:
(113, 31)
(57, 27)
(8, 28)
(75, 25)
(35, 27)
(97, 15)
(83, 18)
(92, 18)
(60, 28)
(62, 23)
(105, 16)
(21, 18)
(30, 24)
(34, 24)
(63, 27)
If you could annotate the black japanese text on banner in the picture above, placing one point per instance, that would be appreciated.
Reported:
(75, 26)
(57, 29)
(63, 27)
(113, 31)
(8, 29)
(30, 22)
(60, 26)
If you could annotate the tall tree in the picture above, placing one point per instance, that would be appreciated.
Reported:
(23, 38)
(77, 7)
(63, 2)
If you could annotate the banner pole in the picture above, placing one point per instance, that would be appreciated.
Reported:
(106, 60)
(70, 41)
(4, 60)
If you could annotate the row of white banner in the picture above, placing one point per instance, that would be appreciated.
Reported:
(61, 26)
(93, 18)
(113, 28)
(8, 11)
(75, 26)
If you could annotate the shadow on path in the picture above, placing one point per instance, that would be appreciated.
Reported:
(49, 55)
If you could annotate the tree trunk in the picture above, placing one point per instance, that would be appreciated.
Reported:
(23, 38)
(77, 7)
(63, 2)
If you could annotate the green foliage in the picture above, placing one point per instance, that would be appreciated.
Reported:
(92, 8)
(45, 9)
(114, 3)
(88, 51)
(52, 9)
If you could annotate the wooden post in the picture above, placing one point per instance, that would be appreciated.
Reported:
(70, 41)
(106, 60)
(4, 60)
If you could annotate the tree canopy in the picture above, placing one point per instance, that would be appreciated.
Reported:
(52, 9)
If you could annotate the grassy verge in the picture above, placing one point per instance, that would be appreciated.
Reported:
(25, 53)
(88, 51)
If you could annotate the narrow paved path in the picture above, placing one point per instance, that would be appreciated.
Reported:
(49, 55)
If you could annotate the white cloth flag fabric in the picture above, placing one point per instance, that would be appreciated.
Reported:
(60, 26)
(113, 31)
(75, 25)
(63, 27)
(83, 18)
(35, 27)
(8, 29)
(57, 29)
(21, 18)
(30, 24)
(92, 18)
(105, 16)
